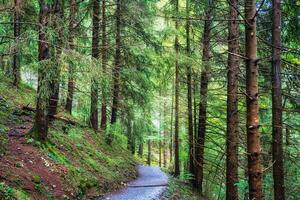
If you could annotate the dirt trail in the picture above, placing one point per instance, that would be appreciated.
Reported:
(150, 185)
(27, 167)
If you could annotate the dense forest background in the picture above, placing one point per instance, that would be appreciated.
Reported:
(208, 90)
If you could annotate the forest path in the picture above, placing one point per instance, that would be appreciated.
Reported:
(150, 185)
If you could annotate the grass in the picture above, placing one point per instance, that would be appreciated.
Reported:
(93, 168)
(24, 95)
(91, 163)
(9, 193)
(179, 190)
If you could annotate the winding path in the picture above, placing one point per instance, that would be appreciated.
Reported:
(150, 184)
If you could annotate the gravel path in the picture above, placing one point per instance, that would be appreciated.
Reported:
(150, 184)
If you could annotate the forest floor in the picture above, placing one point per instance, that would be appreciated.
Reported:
(75, 162)
(179, 189)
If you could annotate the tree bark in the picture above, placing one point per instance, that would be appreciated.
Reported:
(95, 55)
(71, 83)
(277, 149)
(117, 68)
(149, 153)
(165, 138)
(130, 135)
(171, 128)
(189, 97)
(199, 147)
(195, 110)
(2, 63)
(40, 128)
(232, 105)
(55, 76)
(160, 138)
(141, 150)
(176, 136)
(253, 135)
(160, 153)
(104, 50)
(16, 53)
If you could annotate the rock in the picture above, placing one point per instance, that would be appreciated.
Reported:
(46, 163)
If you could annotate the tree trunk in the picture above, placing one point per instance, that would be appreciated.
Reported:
(2, 63)
(232, 105)
(176, 136)
(199, 149)
(104, 50)
(195, 112)
(277, 150)
(55, 76)
(95, 55)
(130, 135)
(16, 54)
(160, 154)
(40, 129)
(189, 97)
(117, 68)
(160, 138)
(165, 138)
(149, 153)
(171, 128)
(71, 83)
(253, 136)
(133, 145)
(141, 150)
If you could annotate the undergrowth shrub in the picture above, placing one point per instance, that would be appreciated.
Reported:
(116, 131)
(6, 192)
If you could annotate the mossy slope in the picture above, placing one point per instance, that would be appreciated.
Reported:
(92, 167)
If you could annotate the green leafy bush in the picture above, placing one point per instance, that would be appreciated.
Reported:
(6, 192)
(3, 139)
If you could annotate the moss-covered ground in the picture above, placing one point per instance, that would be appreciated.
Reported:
(180, 190)
(86, 166)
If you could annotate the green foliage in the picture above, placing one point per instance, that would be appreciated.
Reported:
(36, 179)
(23, 95)
(6, 192)
(146, 107)
(9, 193)
(116, 131)
(3, 139)
(91, 163)
(44, 191)
(33, 142)
(21, 195)
(179, 190)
